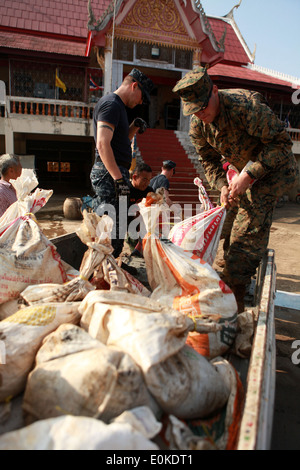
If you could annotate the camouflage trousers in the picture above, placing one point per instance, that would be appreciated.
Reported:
(246, 229)
(105, 201)
(246, 233)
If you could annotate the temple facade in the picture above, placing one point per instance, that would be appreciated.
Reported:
(58, 58)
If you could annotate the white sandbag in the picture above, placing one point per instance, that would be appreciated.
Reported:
(76, 433)
(188, 283)
(187, 385)
(200, 233)
(81, 376)
(222, 428)
(141, 419)
(27, 257)
(71, 291)
(147, 330)
(95, 232)
(22, 334)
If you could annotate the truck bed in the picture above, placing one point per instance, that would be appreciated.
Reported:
(258, 372)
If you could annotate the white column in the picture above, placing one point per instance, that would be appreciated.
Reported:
(108, 65)
(9, 136)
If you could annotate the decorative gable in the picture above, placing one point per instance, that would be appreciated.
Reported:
(155, 22)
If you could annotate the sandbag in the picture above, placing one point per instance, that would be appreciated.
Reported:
(76, 433)
(188, 283)
(22, 334)
(98, 267)
(142, 419)
(187, 385)
(147, 330)
(200, 233)
(81, 376)
(222, 429)
(27, 257)
(98, 261)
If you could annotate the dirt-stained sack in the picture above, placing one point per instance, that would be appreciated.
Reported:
(222, 429)
(147, 330)
(193, 287)
(183, 280)
(81, 376)
(22, 334)
(187, 385)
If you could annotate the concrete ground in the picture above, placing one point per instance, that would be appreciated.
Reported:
(285, 240)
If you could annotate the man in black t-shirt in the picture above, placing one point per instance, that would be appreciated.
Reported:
(140, 186)
(113, 135)
(163, 179)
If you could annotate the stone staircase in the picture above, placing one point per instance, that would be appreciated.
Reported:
(157, 145)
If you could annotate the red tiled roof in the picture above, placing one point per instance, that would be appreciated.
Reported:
(64, 17)
(234, 50)
(243, 73)
(41, 44)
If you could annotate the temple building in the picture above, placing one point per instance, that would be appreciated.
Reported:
(58, 58)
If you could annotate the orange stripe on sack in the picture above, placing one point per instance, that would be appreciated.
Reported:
(199, 342)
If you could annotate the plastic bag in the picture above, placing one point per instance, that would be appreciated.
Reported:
(27, 257)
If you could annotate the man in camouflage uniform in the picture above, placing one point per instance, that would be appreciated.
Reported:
(239, 125)
(113, 135)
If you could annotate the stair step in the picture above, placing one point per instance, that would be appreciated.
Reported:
(157, 145)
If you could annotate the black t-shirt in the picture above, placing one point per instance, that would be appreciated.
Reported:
(160, 181)
(110, 108)
(136, 195)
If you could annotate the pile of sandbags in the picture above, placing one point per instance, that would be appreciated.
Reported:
(104, 367)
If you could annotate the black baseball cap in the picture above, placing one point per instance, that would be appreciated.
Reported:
(146, 85)
(169, 163)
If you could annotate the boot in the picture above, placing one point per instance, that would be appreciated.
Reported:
(239, 291)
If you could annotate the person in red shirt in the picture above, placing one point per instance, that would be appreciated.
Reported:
(10, 169)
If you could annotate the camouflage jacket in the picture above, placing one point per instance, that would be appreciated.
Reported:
(245, 129)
